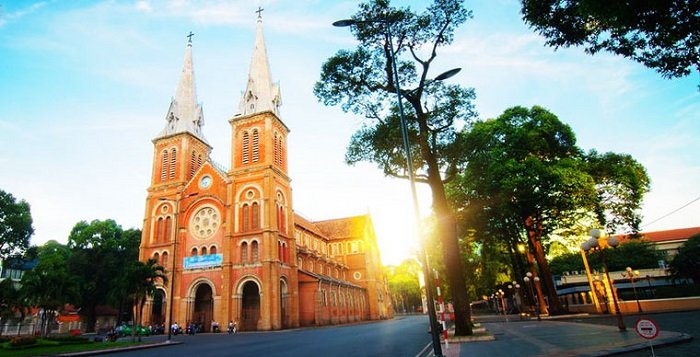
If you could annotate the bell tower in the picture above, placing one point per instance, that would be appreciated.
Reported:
(262, 192)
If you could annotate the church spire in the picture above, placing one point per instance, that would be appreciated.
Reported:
(185, 114)
(261, 94)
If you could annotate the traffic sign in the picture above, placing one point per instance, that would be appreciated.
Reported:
(646, 328)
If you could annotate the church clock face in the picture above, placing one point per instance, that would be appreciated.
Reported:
(205, 222)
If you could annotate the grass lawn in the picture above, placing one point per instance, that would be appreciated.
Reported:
(53, 350)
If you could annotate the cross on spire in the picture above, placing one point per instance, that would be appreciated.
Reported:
(189, 37)
(259, 11)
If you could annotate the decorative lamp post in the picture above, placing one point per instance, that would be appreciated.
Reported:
(437, 348)
(633, 274)
(529, 281)
(595, 243)
(501, 297)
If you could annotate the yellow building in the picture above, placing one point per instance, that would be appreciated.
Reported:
(229, 238)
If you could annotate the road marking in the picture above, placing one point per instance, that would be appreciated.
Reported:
(423, 350)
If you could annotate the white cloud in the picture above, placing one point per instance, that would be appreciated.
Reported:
(143, 6)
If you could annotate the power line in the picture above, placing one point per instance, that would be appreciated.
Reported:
(672, 212)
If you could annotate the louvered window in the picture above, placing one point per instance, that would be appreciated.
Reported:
(164, 166)
(173, 155)
(246, 147)
(192, 164)
(256, 140)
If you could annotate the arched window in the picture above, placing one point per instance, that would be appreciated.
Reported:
(166, 231)
(254, 251)
(204, 250)
(173, 156)
(244, 252)
(245, 213)
(165, 258)
(164, 166)
(156, 257)
(194, 252)
(159, 231)
(212, 250)
(256, 139)
(274, 146)
(246, 147)
(255, 212)
(282, 152)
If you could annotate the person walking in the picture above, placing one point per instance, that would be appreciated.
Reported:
(231, 327)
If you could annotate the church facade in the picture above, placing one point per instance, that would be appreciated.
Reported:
(229, 238)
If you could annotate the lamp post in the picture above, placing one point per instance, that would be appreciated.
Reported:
(437, 348)
(501, 297)
(176, 215)
(530, 281)
(632, 274)
(593, 244)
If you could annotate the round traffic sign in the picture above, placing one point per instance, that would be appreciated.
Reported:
(646, 328)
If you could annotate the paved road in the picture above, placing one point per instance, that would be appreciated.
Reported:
(402, 336)
(686, 322)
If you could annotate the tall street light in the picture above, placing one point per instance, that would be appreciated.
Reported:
(633, 274)
(437, 348)
(530, 281)
(176, 215)
(593, 244)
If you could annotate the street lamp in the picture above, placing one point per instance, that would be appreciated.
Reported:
(593, 244)
(632, 274)
(437, 348)
(530, 281)
(501, 297)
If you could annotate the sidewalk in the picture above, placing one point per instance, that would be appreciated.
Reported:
(555, 338)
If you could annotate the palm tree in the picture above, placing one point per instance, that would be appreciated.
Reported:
(139, 281)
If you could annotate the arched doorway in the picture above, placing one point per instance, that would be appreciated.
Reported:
(284, 293)
(203, 307)
(250, 310)
(157, 310)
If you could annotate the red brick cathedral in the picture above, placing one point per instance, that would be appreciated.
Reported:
(229, 238)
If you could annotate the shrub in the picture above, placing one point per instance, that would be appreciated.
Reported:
(22, 341)
(69, 339)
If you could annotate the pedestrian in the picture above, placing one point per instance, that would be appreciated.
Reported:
(231, 327)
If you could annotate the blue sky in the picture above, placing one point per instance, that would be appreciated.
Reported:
(85, 86)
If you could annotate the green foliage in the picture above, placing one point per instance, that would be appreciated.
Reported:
(15, 225)
(662, 35)
(115, 248)
(21, 341)
(404, 286)
(635, 254)
(621, 183)
(686, 264)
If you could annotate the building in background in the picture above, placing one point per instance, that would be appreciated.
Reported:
(234, 248)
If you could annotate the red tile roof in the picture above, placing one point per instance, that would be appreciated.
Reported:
(664, 236)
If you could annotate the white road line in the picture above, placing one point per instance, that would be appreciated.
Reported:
(422, 352)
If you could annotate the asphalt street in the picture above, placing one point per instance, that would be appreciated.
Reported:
(402, 336)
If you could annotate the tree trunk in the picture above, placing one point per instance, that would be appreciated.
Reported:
(447, 231)
(538, 287)
(534, 237)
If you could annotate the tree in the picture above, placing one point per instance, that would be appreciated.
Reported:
(621, 183)
(362, 81)
(404, 286)
(15, 225)
(529, 177)
(49, 285)
(662, 35)
(139, 281)
(526, 167)
(635, 253)
(686, 264)
(106, 242)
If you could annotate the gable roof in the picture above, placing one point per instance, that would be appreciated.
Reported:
(341, 228)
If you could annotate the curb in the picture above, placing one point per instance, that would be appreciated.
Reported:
(120, 349)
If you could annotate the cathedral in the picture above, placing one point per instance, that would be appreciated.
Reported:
(229, 238)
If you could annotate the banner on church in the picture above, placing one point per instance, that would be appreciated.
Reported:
(203, 261)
